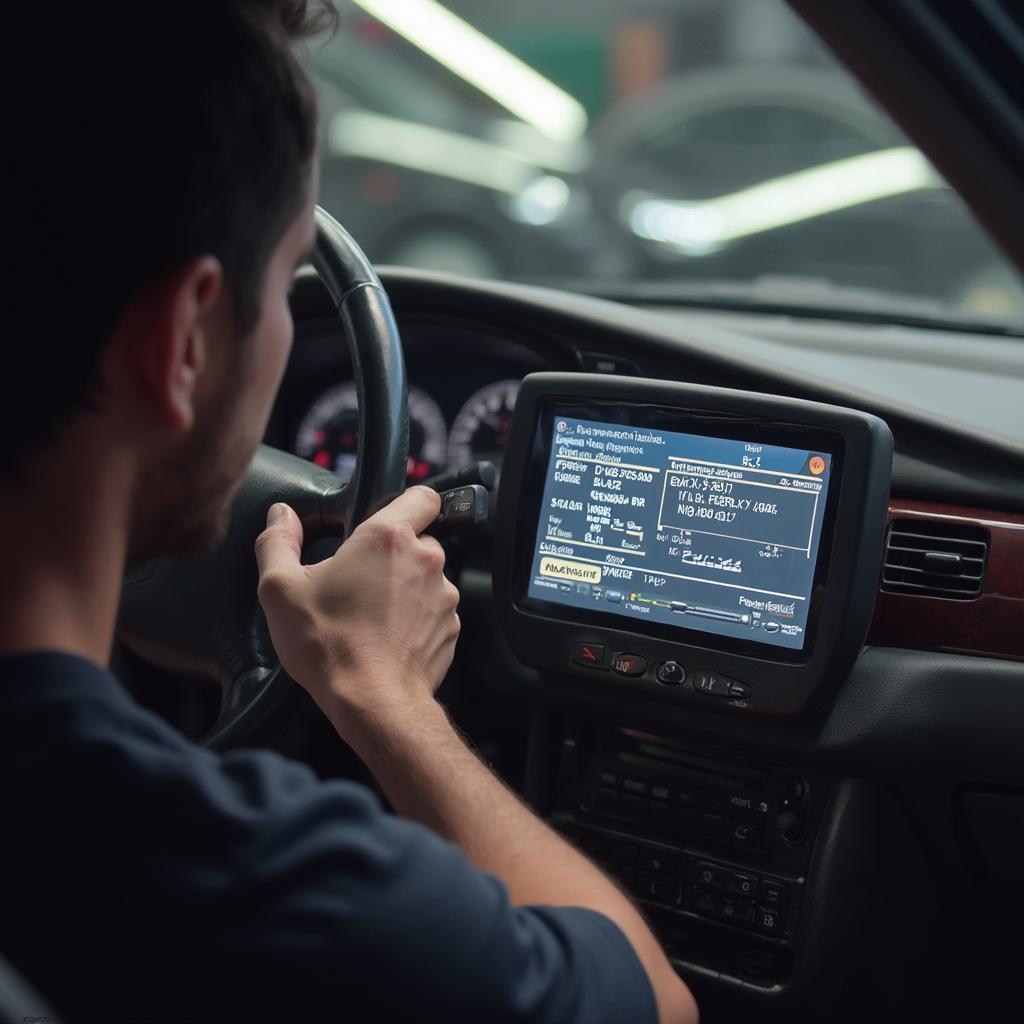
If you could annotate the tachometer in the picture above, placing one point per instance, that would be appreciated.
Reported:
(481, 428)
(329, 433)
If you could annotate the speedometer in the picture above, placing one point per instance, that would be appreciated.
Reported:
(329, 433)
(481, 428)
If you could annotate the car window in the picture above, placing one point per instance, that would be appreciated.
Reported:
(635, 142)
(738, 146)
(369, 73)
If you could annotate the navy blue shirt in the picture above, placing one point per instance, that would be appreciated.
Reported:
(146, 878)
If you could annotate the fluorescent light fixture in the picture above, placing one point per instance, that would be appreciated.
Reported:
(420, 147)
(560, 155)
(542, 202)
(699, 228)
(479, 60)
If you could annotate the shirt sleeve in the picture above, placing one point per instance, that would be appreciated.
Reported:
(282, 896)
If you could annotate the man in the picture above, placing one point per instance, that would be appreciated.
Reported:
(145, 878)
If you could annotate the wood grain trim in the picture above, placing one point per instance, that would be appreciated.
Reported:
(992, 624)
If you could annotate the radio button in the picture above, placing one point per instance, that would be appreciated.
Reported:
(709, 875)
(671, 673)
(768, 920)
(588, 655)
(744, 834)
(772, 893)
(741, 885)
(712, 684)
(737, 911)
(629, 664)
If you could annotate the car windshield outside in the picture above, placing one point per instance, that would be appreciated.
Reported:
(689, 148)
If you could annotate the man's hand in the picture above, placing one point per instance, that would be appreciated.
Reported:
(372, 628)
(370, 634)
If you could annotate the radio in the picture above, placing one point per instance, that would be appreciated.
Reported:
(692, 543)
(715, 845)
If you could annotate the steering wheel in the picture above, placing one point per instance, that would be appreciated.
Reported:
(200, 614)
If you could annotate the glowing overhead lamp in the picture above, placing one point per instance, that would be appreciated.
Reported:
(421, 147)
(700, 227)
(474, 57)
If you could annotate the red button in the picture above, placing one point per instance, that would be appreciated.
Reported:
(589, 655)
(630, 664)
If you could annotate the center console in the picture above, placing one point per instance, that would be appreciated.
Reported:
(669, 547)
(715, 845)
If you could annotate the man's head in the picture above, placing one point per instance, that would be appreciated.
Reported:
(165, 183)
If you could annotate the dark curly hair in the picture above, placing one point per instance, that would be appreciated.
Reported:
(150, 134)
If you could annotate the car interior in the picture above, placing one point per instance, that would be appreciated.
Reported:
(742, 574)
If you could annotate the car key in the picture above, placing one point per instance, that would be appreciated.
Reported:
(464, 510)
(476, 473)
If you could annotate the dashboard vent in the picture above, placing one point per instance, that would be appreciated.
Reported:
(935, 559)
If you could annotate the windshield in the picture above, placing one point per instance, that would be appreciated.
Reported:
(661, 148)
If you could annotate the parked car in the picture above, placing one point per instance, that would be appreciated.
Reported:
(738, 172)
(425, 180)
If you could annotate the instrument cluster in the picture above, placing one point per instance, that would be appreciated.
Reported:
(462, 391)
(328, 434)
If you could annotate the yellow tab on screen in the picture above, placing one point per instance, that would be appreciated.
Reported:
(560, 569)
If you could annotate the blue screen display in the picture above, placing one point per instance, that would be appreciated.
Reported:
(680, 529)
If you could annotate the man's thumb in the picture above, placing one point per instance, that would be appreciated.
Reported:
(279, 546)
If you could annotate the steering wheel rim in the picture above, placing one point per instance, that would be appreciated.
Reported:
(200, 614)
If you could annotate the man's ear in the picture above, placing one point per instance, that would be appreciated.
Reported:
(165, 335)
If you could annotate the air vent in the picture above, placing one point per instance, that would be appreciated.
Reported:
(935, 559)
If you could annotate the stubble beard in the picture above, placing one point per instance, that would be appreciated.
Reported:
(183, 505)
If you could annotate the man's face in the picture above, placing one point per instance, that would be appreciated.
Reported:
(184, 504)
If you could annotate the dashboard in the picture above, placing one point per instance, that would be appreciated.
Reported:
(793, 799)
(957, 488)
(463, 383)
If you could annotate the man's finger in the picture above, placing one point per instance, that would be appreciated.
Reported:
(279, 546)
(418, 507)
